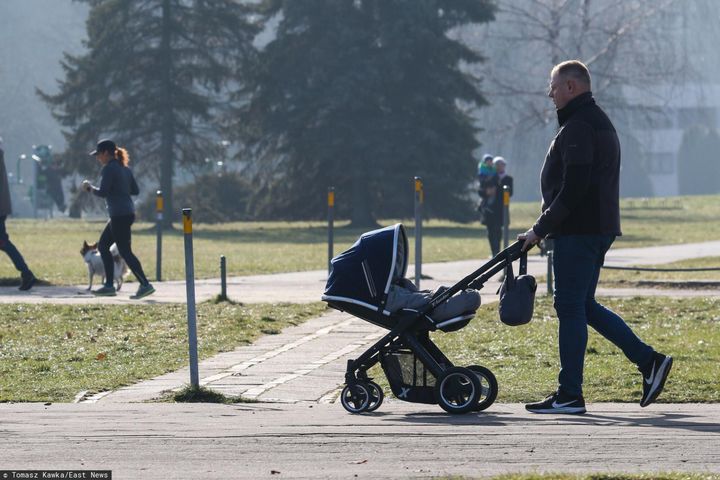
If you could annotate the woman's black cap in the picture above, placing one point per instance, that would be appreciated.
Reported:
(104, 146)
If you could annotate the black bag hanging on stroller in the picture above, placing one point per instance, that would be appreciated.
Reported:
(517, 296)
(359, 283)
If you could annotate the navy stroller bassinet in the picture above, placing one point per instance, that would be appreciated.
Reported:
(362, 274)
(360, 279)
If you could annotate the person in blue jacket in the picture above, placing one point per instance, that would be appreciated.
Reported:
(116, 186)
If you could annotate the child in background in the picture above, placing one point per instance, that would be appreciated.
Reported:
(486, 169)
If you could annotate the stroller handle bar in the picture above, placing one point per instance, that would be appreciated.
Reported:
(477, 279)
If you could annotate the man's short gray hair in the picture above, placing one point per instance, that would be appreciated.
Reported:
(575, 69)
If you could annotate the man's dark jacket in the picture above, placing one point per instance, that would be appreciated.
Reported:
(580, 176)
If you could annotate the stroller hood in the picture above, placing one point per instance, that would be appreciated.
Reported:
(362, 274)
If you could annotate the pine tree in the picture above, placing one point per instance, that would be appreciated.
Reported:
(363, 95)
(154, 78)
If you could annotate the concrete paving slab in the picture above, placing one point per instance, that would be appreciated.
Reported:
(400, 440)
(273, 361)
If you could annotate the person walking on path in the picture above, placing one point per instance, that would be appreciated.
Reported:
(27, 279)
(580, 211)
(116, 186)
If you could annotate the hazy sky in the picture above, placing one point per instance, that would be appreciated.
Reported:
(33, 35)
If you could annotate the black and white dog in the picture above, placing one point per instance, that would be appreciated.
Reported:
(92, 258)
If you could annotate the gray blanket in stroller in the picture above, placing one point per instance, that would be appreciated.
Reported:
(404, 294)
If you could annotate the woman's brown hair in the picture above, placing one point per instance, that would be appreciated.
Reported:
(122, 155)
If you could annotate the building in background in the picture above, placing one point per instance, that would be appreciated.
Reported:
(654, 71)
(660, 116)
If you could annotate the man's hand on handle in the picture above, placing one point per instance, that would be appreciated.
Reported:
(530, 237)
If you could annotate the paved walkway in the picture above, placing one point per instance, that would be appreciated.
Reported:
(302, 363)
(295, 433)
(303, 287)
(203, 441)
(307, 362)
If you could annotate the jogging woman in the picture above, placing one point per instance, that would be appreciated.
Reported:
(116, 186)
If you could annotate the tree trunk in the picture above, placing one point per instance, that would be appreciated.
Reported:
(554, 34)
(167, 138)
(361, 214)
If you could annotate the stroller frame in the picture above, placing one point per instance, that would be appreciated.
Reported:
(412, 332)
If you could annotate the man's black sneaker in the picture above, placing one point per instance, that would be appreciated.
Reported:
(558, 402)
(654, 376)
(27, 281)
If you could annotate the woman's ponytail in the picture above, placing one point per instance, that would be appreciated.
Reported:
(122, 155)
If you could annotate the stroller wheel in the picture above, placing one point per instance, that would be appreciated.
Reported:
(457, 390)
(376, 396)
(355, 398)
(488, 387)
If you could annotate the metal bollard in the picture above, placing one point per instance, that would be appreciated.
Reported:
(190, 291)
(223, 278)
(550, 289)
(331, 224)
(419, 199)
(159, 206)
(36, 174)
(506, 216)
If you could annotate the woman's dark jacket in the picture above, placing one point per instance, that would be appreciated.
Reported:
(116, 187)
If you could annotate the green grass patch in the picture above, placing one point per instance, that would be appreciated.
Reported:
(525, 359)
(52, 352)
(272, 247)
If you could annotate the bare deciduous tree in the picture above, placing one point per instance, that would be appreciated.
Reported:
(624, 43)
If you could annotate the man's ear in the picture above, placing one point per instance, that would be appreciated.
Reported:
(571, 85)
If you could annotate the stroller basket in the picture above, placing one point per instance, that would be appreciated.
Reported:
(407, 376)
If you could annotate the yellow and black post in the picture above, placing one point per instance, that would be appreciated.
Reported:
(506, 216)
(190, 291)
(419, 199)
(159, 206)
(331, 224)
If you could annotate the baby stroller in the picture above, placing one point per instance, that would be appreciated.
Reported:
(416, 369)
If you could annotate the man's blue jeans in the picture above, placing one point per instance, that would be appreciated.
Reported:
(577, 260)
(7, 246)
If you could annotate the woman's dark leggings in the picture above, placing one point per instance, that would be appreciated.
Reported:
(117, 231)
